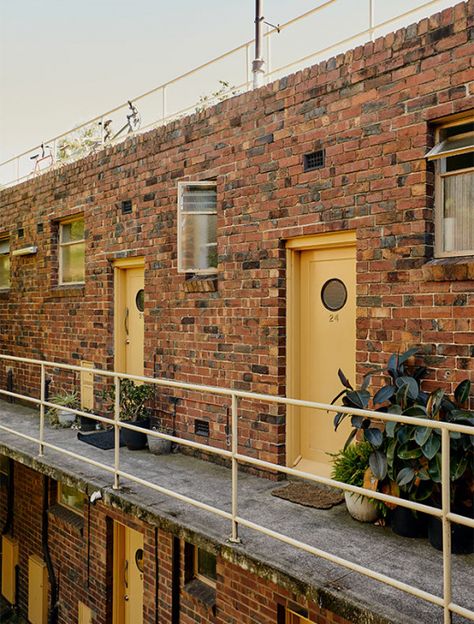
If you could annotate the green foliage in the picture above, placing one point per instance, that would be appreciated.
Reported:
(407, 455)
(351, 463)
(133, 399)
(62, 399)
(78, 144)
(225, 91)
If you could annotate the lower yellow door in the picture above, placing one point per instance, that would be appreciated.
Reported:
(129, 318)
(128, 575)
(327, 340)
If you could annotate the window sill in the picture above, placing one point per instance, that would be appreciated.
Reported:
(4, 293)
(200, 283)
(202, 592)
(67, 518)
(456, 269)
(58, 292)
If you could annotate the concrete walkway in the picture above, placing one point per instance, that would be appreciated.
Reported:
(411, 561)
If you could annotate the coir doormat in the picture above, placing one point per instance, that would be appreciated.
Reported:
(309, 495)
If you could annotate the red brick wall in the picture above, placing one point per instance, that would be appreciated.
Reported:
(371, 109)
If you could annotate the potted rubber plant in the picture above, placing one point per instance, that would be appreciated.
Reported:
(133, 410)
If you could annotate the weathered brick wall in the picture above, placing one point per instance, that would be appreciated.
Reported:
(81, 550)
(371, 109)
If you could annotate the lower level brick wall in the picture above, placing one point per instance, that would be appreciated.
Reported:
(81, 550)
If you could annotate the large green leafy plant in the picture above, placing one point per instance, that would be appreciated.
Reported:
(405, 456)
(133, 399)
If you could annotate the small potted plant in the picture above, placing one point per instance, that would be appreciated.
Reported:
(61, 417)
(133, 410)
(351, 466)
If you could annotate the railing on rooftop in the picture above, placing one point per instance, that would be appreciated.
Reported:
(234, 516)
(225, 75)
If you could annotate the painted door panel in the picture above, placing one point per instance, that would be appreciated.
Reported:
(133, 322)
(327, 343)
(128, 575)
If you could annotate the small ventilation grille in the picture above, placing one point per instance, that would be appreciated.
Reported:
(127, 206)
(201, 427)
(313, 160)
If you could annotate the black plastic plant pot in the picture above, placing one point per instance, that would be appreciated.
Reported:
(136, 440)
(462, 537)
(408, 524)
(87, 424)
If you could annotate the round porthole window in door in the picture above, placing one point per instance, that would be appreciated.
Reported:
(140, 300)
(334, 295)
(139, 559)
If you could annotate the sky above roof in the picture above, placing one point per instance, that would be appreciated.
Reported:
(63, 62)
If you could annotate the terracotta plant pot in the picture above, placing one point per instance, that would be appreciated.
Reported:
(360, 507)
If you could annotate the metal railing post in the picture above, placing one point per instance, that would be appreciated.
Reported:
(42, 399)
(163, 102)
(235, 472)
(116, 485)
(446, 507)
(371, 19)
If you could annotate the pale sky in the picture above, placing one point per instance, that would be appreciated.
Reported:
(63, 61)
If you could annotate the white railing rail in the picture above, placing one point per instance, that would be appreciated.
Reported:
(160, 105)
(236, 458)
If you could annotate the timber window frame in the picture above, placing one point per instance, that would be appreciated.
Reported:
(72, 245)
(5, 272)
(453, 158)
(71, 498)
(200, 564)
(197, 227)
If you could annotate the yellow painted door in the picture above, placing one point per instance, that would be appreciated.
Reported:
(327, 316)
(128, 571)
(133, 577)
(133, 321)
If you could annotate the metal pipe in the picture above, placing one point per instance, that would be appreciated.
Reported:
(446, 508)
(235, 472)
(116, 485)
(258, 65)
(42, 399)
(53, 605)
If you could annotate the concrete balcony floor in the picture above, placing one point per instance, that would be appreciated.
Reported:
(412, 561)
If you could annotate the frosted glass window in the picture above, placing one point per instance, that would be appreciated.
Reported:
(70, 497)
(458, 213)
(197, 222)
(72, 252)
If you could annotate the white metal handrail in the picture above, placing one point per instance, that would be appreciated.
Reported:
(445, 514)
(21, 164)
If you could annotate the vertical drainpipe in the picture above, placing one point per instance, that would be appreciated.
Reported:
(53, 608)
(258, 64)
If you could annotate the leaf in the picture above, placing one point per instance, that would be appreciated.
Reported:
(394, 409)
(434, 403)
(422, 434)
(366, 381)
(338, 418)
(458, 467)
(431, 447)
(407, 355)
(391, 452)
(417, 411)
(384, 394)
(404, 434)
(390, 427)
(405, 452)
(461, 394)
(392, 365)
(413, 388)
(374, 436)
(350, 438)
(340, 394)
(356, 421)
(434, 469)
(405, 476)
(358, 398)
(345, 382)
(378, 465)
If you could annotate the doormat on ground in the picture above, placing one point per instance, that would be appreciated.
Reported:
(309, 495)
(100, 439)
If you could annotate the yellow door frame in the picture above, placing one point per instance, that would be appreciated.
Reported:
(294, 247)
(120, 272)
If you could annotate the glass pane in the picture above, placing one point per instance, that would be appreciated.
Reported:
(4, 271)
(198, 242)
(73, 262)
(4, 246)
(73, 231)
(462, 161)
(4, 464)
(199, 199)
(71, 497)
(206, 564)
(458, 216)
